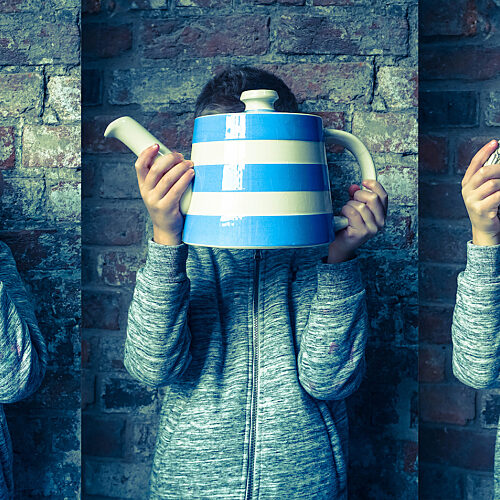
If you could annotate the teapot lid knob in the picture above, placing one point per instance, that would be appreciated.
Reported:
(259, 100)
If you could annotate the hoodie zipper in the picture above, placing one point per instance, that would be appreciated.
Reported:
(255, 377)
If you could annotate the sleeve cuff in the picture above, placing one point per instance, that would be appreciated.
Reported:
(339, 280)
(483, 260)
(166, 262)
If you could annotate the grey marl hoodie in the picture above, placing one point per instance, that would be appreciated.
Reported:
(476, 326)
(258, 350)
(22, 356)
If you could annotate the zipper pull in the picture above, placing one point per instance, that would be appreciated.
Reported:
(258, 254)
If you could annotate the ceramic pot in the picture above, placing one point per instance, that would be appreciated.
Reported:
(261, 176)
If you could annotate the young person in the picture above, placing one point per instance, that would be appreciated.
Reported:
(476, 319)
(258, 349)
(23, 355)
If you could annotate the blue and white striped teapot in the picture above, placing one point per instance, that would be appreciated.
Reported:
(261, 176)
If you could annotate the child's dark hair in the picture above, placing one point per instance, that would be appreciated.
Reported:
(222, 93)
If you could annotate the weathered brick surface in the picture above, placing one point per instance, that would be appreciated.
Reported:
(206, 37)
(352, 62)
(7, 147)
(51, 146)
(459, 75)
(21, 93)
(40, 221)
(361, 34)
(51, 38)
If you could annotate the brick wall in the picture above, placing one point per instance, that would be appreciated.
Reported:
(353, 62)
(459, 112)
(40, 221)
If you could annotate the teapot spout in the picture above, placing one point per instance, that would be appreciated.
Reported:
(133, 135)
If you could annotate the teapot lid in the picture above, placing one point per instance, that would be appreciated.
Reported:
(259, 100)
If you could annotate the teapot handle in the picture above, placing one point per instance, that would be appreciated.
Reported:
(137, 139)
(363, 157)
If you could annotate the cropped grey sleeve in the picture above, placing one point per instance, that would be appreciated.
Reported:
(331, 355)
(23, 354)
(157, 348)
(476, 319)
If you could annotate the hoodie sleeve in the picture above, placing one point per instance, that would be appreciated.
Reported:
(476, 318)
(331, 355)
(158, 337)
(23, 354)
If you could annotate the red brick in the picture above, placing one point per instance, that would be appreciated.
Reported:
(432, 154)
(205, 37)
(465, 448)
(103, 436)
(175, 130)
(441, 200)
(352, 35)
(341, 82)
(47, 146)
(438, 283)
(435, 324)
(386, 132)
(445, 19)
(117, 181)
(33, 249)
(473, 63)
(7, 148)
(444, 241)
(117, 268)
(119, 394)
(467, 147)
(91, 6)
(32, 40)
(9, 6)
(431, 363)
(109, 225)
(93, 140)
(336, 120)
(21, 94)
(450, 404)
(104, 40)
(101, 310)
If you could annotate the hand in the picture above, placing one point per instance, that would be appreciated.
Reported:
(481, 194)
(162, 182)
(366, 212)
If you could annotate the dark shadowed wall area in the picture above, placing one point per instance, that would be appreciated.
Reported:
(40, 221)
(459, 113)
(351, 61)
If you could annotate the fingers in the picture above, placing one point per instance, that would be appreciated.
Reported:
(488, 206)
(177, 190)
(482, 176)
(374, 204)
(159, 168)
(359, 216)
(479, 160)
(144, 161)
(171, 178)
(379, 190)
